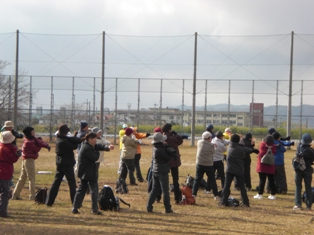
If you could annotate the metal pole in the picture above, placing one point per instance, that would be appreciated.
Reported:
(102, 82)
(51, 110)
(16, 87)
(10, 99)
(138, 102)
(115, 112)
(229, 103)
(276, 117)
(205, 106)
(194, 93)
(182, 108)
(301, 110)
(160, 102)
(251, 109)
(30, 102)
(290, 88)
(94, 101)
(73, 107)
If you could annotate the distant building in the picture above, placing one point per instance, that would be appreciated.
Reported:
(257, 111)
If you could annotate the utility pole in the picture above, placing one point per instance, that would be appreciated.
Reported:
(102, 83)
(194, 93)
(16, 87)
(290, 88)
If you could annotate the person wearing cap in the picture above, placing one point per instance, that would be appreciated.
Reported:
(174, 140)
(8, 126)
(304, 149)
(128, 153)
(210, 129)
(31, 147)
(235, 169)
(160, 168)
(65, 162)
(204, 164)
(248, 142)
(121, 134)
(266, 171)
(138, 136)
(9, 154)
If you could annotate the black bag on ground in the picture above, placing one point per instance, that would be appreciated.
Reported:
(232, 202)
(121, 186)
(304, 195)
(41, 195)
(107, 200)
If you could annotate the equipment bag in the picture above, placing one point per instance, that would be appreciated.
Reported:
(41, 195)
(107, 200)
(187, 198)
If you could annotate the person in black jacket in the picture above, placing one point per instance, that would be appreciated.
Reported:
(161, 158)
(65, 162)
(87, 172)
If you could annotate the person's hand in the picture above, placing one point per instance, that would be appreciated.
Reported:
(75, 133)
(48, 147)
(292, 143)
(111, 147)
(147, 134)
(19, 152)
(185, 137)
(255, 151)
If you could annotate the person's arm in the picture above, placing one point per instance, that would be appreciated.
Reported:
(101, 147)
(17, 134)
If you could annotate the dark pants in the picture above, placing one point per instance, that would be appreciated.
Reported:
(226, 190)
(307, 176)
(262, 181)
(62, 171)
(128, 167)
(200, 170)
(175, 181)
(219, 167)
(137, 167)
(247, 174)
(81, 191)
(159, 181)
(4, 197)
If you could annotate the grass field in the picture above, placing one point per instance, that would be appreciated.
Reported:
(264, 217)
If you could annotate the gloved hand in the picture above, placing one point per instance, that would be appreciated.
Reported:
(48, 147)
(278, 145)
(292, 143)
(185, 137)
(147, 134)
(173, 132)
(255, 151)
(285, 139)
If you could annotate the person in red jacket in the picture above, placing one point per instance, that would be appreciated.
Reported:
(265, 170)
(30, 149)
(9, 154)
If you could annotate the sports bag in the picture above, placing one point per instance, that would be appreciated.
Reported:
(121, 186)
(232, 202)
(268, 158)
(41, 195)
(107, 200)
(187, 198)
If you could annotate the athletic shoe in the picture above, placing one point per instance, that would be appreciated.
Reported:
(272, 197)
(207, 192)
(297, 208)
(258, 196)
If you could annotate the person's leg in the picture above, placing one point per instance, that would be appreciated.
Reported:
(198, 177)
(138, 167)
(164, 184)
(212, 179)
(93, 185)
(70, 176)
(280, 179)
(30, 171)
(123, 170)
(130, 168)
(120, 163)
(54, 189)
(4, 197)
(298, 188)
(247, 173)
(221, 172)
(175, 180)
(80, 194)
(262, 181)
(308, 189)
(20, 183)
(226, 189)
(272, 185)
(240, 180)
(153, 193)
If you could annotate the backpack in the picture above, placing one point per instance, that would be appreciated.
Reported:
(268, 158)
(232, 202)
(304, 195)
(187, 198)
(40, 196)
(107, 200)
(121, 186)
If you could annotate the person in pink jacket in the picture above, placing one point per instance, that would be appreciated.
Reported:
(30, 149)
(264, 170)
(9, 154)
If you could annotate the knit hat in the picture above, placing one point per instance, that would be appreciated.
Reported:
(269, 139)
(8, 124)
(210, 127)
(124, 126)
(7, 137)
(158, 137)
(219, 134)
(96, 130)
(271, 130)
(128, 131)
(276, 135)
(235, 138)
(228, 130)
(248, 136)
(206, 135)
(306, 139)
(63, 129)
(157, 129)
(27, 131)
(83, 125)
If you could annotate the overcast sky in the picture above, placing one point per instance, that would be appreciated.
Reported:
(235, 21)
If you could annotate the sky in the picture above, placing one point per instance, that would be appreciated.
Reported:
(238, 40)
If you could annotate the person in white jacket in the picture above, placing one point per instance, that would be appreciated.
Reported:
(220, 148)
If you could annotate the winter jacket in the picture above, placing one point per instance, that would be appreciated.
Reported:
(308, 155)
(235, 159)
(31, 147)
(248, 144)
(86, 162)
(279, 156)
(161, 158)
(205, 153)
(220, 148)
(263, 168)
(104, 143)
(227, 139)
(139, 136)
(174, 141)
(8, 156)
(128, 147)
(121, 134)
(80, 134)
(64, 151)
